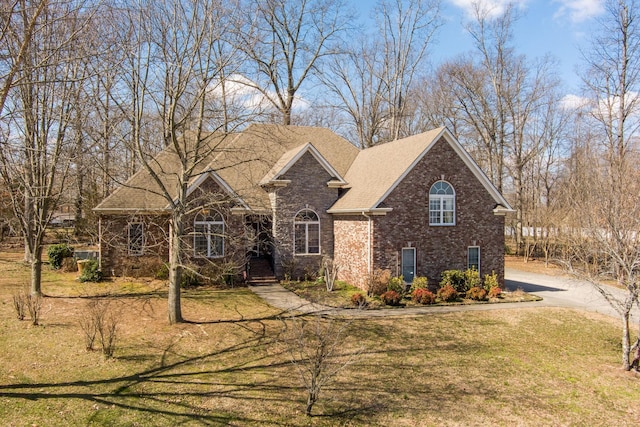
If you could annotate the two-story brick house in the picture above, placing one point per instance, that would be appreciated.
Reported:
(415, 206)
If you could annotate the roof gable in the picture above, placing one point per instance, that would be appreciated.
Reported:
(377, 171)
(291, 157)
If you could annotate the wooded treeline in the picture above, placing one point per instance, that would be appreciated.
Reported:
(91, 90)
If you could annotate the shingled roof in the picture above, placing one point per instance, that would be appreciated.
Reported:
(379, 169)
(239, 162)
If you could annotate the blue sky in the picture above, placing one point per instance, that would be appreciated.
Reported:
(556, 27)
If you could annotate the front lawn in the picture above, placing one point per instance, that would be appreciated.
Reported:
(227, 364)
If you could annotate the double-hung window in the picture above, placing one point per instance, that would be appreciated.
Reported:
(306, 232)
(208, 240)
(135, 237)
(442, 204)
(473, 258)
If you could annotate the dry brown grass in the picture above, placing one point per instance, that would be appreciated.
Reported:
(225, 367)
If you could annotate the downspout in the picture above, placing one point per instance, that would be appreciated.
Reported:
(368, 243)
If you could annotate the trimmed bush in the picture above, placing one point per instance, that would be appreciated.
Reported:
(57, 253)
(472, 278)
(447, 293)
(419, 282)
(91, 272)
(391, 298)
(423, 296)
(396, 284)
(455, 279)
(477, 293)
(495, 292)
(491, 281)
(359, 300)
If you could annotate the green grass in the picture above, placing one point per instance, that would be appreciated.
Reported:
(227, 366)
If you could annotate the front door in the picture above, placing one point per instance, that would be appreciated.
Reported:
(408, 264)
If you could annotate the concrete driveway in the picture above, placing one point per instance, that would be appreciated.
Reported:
(561, 291)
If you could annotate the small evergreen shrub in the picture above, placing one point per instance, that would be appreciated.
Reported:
(396, 284)
(447, 293)
(91, 272)
(491, 281)
(162, 273)
(472, 278)
(423, 296)
(455, 279)
(477, 293)
(57, 253)
(189, 278)
(359, 300)
(391, 298)
(495, 292)
(419, 282)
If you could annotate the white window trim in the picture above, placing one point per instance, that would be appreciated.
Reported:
(306, 233)
(441, 198)
(129, 241)
(210, 237)
(469, 260)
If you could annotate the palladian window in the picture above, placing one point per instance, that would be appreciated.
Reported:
(442, 204)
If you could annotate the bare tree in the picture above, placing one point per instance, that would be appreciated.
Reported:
(172, 71)
(285, 44)
(373, 80)
(18, 21)
(316, 348)
(605, 184)
(36, 151)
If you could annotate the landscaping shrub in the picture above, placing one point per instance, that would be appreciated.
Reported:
(189, 278)
(359, 300)
(391, 298)
(477, 293)
(455, 279)
(91, 272)
(447, 293)
(162, 273)
(419, 282)
(495, 292)
(57, 253)
(472, 278)
(378, 281)
(423, 296)
(491, 281)
(396, 284)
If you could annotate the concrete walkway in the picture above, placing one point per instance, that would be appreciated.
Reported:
(556, 291)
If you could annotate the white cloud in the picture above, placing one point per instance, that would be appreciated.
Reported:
(492, 7)
(579, 10)
(573, 102)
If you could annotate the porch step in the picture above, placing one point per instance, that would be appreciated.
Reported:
(260, 272)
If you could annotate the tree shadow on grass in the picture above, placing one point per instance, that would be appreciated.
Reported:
(173, 389)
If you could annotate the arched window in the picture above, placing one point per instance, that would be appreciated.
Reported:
(208, 240)
(442, 204)
(306, 227)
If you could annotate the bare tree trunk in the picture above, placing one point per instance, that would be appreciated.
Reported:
(175, 270)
